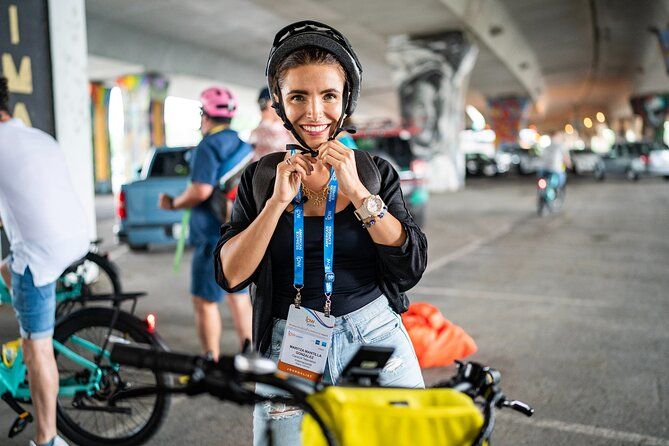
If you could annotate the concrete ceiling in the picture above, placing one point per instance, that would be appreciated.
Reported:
(571, 56)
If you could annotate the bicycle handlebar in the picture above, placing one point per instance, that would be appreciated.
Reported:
(227, 377)
(147, 358)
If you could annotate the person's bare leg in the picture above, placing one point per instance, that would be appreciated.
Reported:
(242, 313)
(6, 274)
(208, 325)
(43, 377)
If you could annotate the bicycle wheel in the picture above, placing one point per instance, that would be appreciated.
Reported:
(92, 420)
(93, 275)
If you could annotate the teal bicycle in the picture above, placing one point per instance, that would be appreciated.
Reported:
(87, 412)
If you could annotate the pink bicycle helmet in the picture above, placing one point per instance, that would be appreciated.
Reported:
(218, 102)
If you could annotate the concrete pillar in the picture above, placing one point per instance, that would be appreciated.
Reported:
(653, 109)
(71, 99)
(143, 108)
(432, 75)
(100, 94)
(508, 114)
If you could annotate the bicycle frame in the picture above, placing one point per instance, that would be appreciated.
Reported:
(12, 377)
(5, 297)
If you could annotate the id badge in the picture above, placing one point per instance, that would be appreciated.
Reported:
(306, 343)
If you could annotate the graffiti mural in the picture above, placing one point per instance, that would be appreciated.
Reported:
(431, 73)
(508, 114)
(653, 109)
(144, 123)
(100, 130)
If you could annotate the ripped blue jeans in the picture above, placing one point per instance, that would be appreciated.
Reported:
(374, 324)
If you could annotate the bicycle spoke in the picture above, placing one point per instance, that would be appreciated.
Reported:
(109, 425)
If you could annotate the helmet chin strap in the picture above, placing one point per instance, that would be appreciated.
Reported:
(303, 147)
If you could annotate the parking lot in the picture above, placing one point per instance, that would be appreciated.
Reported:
(571, 308)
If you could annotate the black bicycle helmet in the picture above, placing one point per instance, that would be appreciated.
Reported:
(308, 33)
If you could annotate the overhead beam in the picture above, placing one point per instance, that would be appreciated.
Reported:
(168, 56)
(492, 25)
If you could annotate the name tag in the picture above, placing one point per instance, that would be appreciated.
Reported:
(306, 343)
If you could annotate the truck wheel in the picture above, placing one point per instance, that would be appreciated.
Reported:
(139, 248)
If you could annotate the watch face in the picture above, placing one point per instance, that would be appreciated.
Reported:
(374, 205)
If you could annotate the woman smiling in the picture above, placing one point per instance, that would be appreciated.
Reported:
(329, 245)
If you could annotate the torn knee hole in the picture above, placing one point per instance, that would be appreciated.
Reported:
(278, 411)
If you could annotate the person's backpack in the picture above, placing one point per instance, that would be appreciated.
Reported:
(220, 200)
(263, 177)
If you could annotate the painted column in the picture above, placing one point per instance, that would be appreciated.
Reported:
(100, 94)
(653, 109)
(143, 105)
(508, 114)
(432, 75)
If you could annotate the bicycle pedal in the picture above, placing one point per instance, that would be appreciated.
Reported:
(20, 424)
(184, 379)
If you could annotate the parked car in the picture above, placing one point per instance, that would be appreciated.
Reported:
(628, 159)
(525, 161)
(584, 161)
(657, 160)
(478, 164)
(504, 161)
(393, 144)
(139, 221)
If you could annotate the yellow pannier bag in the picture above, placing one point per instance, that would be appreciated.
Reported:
(392, 417)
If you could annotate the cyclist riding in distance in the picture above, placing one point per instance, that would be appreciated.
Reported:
(555, 157)
(219, 142)
(323, 232)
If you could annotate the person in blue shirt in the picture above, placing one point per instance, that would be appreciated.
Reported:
(219, 151)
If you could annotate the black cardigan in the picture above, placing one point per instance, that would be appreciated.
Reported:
(398, 268)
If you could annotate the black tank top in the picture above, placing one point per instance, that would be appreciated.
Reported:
(354, 265)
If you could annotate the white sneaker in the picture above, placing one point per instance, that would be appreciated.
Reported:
(57, 441)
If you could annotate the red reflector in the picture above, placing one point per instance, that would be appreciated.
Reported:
(419, 167)
(120, 206)
(151, 322)
(542, 183)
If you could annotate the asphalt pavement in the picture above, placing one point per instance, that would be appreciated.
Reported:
(571, 308)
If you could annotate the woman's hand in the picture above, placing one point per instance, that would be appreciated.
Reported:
(289, 175)
(342, 159)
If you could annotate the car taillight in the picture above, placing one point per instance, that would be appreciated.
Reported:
(542, 183)
(120, 206)
(419, 168)
(644, 159)
(151, 322)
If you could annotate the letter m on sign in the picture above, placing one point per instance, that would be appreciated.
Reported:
(21, 80)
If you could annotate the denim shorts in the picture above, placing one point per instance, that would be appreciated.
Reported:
(203, 277)
(374, 324)
(35, 307)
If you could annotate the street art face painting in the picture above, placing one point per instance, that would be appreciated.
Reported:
(431, 73)
(421, 105)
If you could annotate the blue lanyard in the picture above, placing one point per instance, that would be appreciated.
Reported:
(328, 242)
